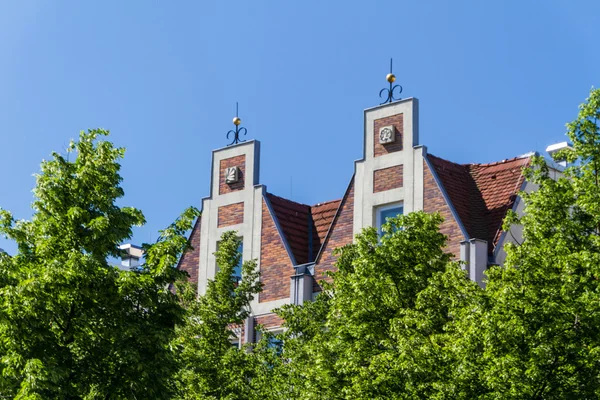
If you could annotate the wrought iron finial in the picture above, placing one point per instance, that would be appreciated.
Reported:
(238, 131)
(389, 93)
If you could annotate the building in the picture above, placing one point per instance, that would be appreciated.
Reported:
(293, 243)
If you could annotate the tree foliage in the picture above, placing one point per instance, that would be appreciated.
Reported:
(537, 335)
(71, 324)
(379, 329)
(400, 320)
(210, 367)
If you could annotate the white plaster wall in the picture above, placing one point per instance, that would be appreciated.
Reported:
(251, 196)
(411, 157)
(515, 234)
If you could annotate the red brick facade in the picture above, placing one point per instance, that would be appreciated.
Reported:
(341, 234)
(387, 178)
(238, 161)
(398, 122)
(433, 201)
(231, 214)
(275, 264)
(306, 236)
(269, 321)
(190, 261)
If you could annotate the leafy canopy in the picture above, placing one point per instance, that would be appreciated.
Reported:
(211, 366)
(72, 325)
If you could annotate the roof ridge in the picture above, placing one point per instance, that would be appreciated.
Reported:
(306, 205)
(490, 164)
(286, 199)
(325, 202)
(507, 160)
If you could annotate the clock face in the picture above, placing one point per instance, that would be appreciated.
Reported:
(386, 135)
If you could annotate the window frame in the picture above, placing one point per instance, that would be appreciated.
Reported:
(241, 264)
(240, 249)
(273, 331)
(380, 209)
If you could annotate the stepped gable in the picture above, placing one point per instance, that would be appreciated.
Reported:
(482, 193)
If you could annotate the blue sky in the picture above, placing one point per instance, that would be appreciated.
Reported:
(494, 80)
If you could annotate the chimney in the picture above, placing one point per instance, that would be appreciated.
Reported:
(553, 148)
(130, 255)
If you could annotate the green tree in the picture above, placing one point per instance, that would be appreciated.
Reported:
(210, 366)
(379, 330)
(534, 334)
(72, 325)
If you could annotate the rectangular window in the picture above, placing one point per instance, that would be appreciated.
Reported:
(237, 270)
(273, 342)
(236, 274)
(385, 212)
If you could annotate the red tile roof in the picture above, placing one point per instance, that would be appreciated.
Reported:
(481, 193)
(300, 222)
(322, 216)
(294, 221)
(499, 184)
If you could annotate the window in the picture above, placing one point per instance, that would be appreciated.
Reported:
(273, 342)
(386, 212)
(237, 270)
(236, 274)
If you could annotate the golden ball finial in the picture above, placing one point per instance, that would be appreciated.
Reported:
(237, 121)
(390, 78)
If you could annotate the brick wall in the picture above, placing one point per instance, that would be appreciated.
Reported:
(190, 261)
(433, 201)
(341, 234)
(275, 264)
(238, 161)
(387, 178)
(398, 122)
(268, 321)
(231, 214)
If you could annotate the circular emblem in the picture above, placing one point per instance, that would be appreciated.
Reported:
(385, 136)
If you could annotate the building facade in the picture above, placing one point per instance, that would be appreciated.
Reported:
(293, 243)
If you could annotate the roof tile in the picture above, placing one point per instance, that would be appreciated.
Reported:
(482, 193)
(300, 222)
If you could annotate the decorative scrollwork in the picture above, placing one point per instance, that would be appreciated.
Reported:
(238, 131)
(389, 93)
(236, 135)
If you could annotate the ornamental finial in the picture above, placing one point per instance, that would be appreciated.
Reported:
(389, 93)
(238, 131)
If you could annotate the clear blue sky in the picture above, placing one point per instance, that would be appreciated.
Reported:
(494, 80)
